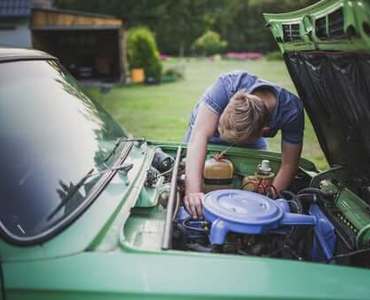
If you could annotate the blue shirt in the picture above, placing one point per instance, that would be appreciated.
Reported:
(287, 115)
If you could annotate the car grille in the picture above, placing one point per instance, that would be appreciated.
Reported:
(331, 26)
(291, 32)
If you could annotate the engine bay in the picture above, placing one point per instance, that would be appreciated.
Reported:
(315, 219)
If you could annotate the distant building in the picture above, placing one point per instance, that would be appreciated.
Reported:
(15, 18)
(91, 46)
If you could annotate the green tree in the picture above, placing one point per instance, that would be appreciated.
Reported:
(177, 24)
(209, 43)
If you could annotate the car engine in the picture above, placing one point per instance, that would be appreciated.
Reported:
(248, 223)
(243, 214)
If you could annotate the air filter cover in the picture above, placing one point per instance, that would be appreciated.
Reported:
(241, 207)
(246, 212)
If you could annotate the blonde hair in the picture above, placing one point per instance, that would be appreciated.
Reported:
(243, 118)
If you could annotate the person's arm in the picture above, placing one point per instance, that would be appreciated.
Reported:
(291, 144)
(289, 165)
(204, 128)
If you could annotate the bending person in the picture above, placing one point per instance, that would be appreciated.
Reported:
(241, 109)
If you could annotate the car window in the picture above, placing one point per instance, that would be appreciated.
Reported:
(51, 136)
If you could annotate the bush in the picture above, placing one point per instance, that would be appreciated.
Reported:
(209, 43)
(143, 53)
(275, 55)
(173, 74)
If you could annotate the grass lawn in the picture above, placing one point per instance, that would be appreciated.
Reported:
(162, 111)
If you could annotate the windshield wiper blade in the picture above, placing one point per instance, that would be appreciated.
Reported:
(126, 168)
(70, 194)
(118, 142)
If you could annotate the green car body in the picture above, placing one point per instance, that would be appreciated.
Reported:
(110, 253)
(109, 245)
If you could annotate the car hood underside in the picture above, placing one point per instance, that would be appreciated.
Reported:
(334, 87)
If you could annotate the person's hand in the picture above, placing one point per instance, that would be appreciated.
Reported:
(193, 204)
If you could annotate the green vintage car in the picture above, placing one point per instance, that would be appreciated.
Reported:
(89, 212)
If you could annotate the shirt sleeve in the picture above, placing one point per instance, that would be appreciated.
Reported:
(216, 97)
(292, 132)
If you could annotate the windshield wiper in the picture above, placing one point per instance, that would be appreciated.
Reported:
(80, 183)
(118, 142)
(70, 194)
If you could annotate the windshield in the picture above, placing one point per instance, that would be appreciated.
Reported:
(51, 136)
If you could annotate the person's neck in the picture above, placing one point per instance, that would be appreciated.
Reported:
(267, 97)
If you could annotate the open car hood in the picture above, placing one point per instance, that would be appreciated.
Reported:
(326, 48)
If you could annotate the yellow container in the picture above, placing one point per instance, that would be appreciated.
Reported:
(218, 169)
(137, 75)
(218, 174)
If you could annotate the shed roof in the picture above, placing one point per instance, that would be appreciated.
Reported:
(76, 27)
(15, 8)
(67, 19)
(74, 12)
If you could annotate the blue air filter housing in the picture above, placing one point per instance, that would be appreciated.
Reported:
(248, 213)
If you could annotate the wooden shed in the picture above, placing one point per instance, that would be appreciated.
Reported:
(91, 46)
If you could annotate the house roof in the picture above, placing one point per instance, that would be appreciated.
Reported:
(15, 8)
